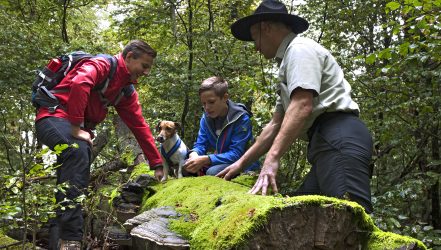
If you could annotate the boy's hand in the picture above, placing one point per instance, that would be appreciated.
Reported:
(192, 155)
(195, 163)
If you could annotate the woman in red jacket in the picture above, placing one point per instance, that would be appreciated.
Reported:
(81, 109)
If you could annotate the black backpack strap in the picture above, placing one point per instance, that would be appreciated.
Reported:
(126, 91)
(102, 87)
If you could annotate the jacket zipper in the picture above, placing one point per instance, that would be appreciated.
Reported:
(220, 135)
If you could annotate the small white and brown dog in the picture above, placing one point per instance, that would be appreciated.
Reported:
(173, 149)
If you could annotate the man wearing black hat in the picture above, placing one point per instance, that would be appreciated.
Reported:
(314, 103)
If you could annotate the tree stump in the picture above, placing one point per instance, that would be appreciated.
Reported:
(210, 213)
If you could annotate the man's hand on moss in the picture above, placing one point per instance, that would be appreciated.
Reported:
(159, 173)
(267, 177)
(231, 171)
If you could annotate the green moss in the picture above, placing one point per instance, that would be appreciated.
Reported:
(105, 193)
(221, 215)
(140, 169)
(5, 240)
(380, 240)
(113, 177)
(115, 193)
(106, 190)
(246, 180)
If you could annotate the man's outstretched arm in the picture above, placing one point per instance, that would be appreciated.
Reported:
(259, 148)
(298, 110)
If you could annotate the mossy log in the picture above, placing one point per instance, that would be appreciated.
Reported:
(215, 214)
(11, 244)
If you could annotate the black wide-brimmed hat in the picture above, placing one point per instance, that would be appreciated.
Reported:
(268, 10)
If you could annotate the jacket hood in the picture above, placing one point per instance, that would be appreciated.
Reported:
(235, 110)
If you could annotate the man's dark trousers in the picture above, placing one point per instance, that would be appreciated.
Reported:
(340, 152)
(74, 169)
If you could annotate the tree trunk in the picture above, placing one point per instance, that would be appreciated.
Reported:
(128, 141)
(434, 189)
(190, 67)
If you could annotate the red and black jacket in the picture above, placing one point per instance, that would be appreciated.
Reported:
(83, 105)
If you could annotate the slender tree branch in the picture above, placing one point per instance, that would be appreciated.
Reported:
(325, 15)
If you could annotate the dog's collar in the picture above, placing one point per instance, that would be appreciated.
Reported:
(168, 154)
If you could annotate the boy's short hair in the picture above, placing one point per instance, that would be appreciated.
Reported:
(138, 47)
(218, 84)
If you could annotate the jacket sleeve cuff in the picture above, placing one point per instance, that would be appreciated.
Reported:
(212, 159)
(189, 152)
(158, 166)
(76, 120)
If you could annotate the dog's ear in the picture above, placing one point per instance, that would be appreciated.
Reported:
(158, 127)
(178, 126)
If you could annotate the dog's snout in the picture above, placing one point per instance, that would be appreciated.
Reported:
(160, 138)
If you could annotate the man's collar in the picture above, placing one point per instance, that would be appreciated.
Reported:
(283, 45)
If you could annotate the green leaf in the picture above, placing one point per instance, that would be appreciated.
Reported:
(15, 190)
(392, 6)
(385, 54)
(427, 228)
(407, 9)
(59, 148)
(371, 59)
(417, 3)
(433, 175)
(11, 181)
(402, 217)
(37, 167)
(395, 222)
(435, 163)
(404, 48)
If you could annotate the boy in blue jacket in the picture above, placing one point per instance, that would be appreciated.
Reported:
(225, 129)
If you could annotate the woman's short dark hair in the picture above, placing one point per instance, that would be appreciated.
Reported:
(218, 84)
(139, 47)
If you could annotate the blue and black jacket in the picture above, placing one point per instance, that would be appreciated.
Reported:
(235, 137)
